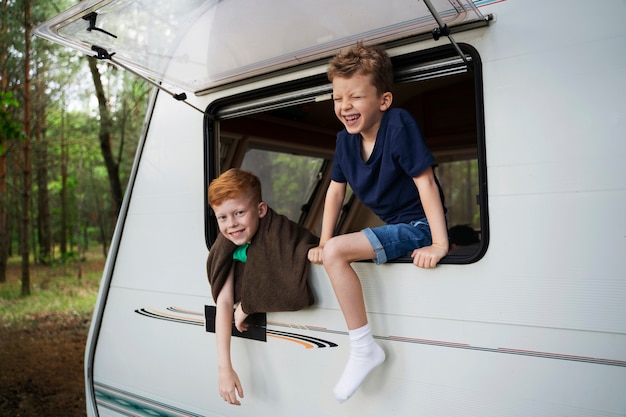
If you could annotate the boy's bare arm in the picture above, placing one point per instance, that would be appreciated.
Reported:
(332, 207)
(228, 380)
(429, 256)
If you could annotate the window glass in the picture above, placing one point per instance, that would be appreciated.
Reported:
(240, 38)
(287, 180)
(459, 181)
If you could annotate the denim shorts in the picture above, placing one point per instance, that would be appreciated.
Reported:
(393, 241)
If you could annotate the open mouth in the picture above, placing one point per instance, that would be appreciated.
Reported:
(236, 234)
(351, 119)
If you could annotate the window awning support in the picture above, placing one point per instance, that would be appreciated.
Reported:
(92, 18)
(444, 30)
(102, 53)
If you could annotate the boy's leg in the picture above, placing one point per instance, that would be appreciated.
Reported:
(365, 354)
(339, 253)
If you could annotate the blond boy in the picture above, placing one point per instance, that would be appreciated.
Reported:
(382, 155)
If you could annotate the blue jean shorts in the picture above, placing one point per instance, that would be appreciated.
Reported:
(393, 241)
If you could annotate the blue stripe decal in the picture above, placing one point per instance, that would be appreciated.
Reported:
(133, 405)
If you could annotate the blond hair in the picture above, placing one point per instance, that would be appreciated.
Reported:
(365, 60)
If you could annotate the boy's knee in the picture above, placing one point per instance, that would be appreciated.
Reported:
(332, 251)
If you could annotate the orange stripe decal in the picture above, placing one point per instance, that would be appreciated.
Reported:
(305, 344)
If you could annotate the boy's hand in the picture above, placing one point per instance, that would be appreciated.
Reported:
(240, 318)
(428, 256)
(230, 386)
(315, 255)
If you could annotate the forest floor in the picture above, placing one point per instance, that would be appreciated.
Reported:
(41, 361)
(41, 367)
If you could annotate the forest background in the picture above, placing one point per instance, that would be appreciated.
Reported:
(69, 127)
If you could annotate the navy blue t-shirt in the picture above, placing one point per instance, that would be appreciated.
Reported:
(384, 182)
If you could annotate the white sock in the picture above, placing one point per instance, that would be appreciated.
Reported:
(365, 355)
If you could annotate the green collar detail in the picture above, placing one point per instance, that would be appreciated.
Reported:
(240, 253)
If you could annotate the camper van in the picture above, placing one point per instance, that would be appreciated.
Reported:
(523, 105)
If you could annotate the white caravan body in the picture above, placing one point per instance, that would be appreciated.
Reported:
(530, 323)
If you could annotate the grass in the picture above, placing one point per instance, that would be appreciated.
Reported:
(69, 289)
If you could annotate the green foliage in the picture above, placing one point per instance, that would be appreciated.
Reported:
(292, 179)
(54, 290)
(67, 258)
(10, 129)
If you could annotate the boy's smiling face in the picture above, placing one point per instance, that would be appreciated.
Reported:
(358, 105)
(238, 218)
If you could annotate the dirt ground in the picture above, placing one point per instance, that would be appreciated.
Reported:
(41, 368)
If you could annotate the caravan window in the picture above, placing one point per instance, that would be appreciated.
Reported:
(288, 180)
(286, 134)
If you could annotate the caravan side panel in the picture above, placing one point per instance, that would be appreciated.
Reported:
(536, 327)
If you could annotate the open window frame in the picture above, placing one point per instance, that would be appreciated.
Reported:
(442, 91)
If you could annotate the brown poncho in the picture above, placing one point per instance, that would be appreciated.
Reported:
(274, 277)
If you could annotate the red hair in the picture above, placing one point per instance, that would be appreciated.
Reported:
(232, 184)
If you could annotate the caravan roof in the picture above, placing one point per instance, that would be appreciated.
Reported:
(244, 37)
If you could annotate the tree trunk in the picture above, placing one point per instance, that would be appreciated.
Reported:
(44, 229)
(26, 155)
(4, 235)
(5, 238)
(106, 127)
(63, 196)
